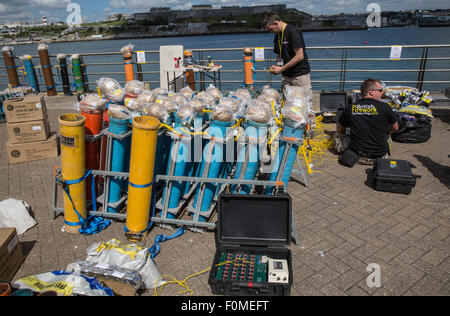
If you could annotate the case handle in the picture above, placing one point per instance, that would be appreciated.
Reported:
(250, 287)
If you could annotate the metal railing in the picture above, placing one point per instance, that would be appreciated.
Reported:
(332, 67)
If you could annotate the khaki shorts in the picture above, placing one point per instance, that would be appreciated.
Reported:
(301, 81)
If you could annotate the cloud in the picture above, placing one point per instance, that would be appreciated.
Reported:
(116, 4)
(50, 4)
(27, 10)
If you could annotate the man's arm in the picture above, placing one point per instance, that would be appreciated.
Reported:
(393, 128)
(299, 56)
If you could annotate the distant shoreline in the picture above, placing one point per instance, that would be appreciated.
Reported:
(125, 36)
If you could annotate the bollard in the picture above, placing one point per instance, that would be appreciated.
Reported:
(73, 168)
(64, 73)
(10, 66)
(248, 68)
(77, 74)
(190, 76)
(47, 69)
(127, 52)
(31, 73)
(119, 157)
(142, 161)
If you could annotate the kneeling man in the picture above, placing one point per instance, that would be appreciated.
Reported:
(370, 121)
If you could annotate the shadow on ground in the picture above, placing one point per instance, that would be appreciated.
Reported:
(439, 171)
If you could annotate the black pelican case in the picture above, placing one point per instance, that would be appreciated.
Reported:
(334, 103)
(254, 225)
(393, 176)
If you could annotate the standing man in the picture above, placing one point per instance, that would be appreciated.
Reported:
(292, 61)
(370, 122)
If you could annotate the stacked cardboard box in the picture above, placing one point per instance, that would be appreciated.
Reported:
(28, 130)
(2, 112)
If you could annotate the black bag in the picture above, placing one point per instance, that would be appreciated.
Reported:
(412, 128)
(348, 158)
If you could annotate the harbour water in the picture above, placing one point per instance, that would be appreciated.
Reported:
(322, 80)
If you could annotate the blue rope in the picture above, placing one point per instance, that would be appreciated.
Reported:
(93, 224)
(156, 248)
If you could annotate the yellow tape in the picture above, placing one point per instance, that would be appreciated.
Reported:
(62, 287)
(130, 250)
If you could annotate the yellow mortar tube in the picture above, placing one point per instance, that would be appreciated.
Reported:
(142, 162)
(73, 167)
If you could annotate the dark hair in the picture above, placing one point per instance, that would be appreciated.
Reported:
(271, 18)
(369, 84)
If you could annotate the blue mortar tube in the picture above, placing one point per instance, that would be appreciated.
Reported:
(31, 74)
(288, 132)
(163, 153)
(120, 155)
(193, 166)
(253, 130)
(182, 157)
(216, 129)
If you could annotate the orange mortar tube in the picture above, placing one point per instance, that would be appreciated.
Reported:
(248, 67)
(93, 126)
(128, 65)
(190, 76)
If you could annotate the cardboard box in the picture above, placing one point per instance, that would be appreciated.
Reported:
(29, 108)
(28, 131)
(11, 255)
(32, 151)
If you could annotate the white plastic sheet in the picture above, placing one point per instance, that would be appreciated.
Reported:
(15, 213)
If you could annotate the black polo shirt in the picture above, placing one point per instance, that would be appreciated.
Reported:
(292, 38)
(369, 122)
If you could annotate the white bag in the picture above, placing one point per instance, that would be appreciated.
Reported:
(14, 213)
(131, 257)
(64, 283)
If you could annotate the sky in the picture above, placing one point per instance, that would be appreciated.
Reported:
(98, 10)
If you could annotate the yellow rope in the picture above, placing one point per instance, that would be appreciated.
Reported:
(183, 283)
(319, 147)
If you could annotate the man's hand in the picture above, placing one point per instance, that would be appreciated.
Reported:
(341, 142)
(276, 70)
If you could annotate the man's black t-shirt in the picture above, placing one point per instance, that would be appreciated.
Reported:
(292, 38)
(369, 122)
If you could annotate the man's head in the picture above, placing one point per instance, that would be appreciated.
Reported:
(273, 23)
(372, 88)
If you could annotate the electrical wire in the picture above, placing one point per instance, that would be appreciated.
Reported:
(183, 283)
(316, 151)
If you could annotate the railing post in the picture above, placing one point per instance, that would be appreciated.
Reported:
(139, 70)
(343, 70)
(84, 75)
(423, 64)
